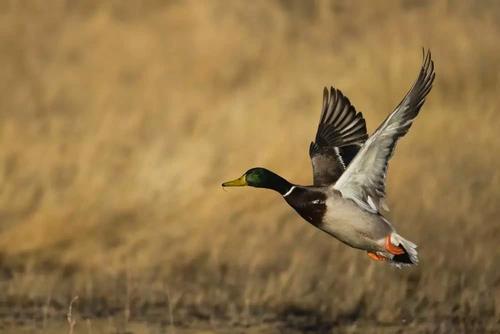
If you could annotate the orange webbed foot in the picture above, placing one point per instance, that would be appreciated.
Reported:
(394, 250)
(375, 256)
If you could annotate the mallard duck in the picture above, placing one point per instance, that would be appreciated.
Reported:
(349, 172)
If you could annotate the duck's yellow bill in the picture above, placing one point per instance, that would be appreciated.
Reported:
(242, 181)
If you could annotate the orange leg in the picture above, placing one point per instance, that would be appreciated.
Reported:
(375, 256)
(394, 250)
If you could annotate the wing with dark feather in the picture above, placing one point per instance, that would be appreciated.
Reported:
(341, 133)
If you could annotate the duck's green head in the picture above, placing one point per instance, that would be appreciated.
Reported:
(260, 178)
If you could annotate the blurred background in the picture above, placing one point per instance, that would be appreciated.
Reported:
(119, 120)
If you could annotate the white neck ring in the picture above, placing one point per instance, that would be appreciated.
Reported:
(289, 191)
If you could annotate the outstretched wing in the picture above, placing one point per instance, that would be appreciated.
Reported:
(341, 132)
(364, 179)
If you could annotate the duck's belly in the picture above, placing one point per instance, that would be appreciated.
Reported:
(350, 224)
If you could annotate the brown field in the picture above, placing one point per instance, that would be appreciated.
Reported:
(119, 120)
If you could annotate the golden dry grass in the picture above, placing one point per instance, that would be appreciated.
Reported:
(119, 120)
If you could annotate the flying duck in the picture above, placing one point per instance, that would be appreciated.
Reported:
(349, 172)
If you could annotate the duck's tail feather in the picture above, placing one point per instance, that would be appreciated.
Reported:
(409, 257)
